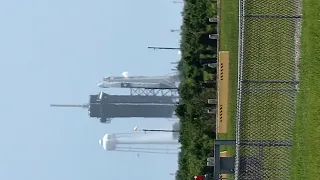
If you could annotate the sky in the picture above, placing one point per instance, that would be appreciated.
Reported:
(55, 51)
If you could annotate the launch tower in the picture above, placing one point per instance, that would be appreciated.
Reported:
(106, 107)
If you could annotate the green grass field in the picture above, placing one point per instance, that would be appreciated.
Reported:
(306, 153)
(267, 115)
(267, 111)
(269, 57)
(269, 46)
(229, 42)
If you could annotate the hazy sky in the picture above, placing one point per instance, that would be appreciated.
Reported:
(55, 51)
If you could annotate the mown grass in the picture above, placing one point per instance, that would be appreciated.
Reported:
(306, 153)
(267, 111)
(229, 42)
(270, 59)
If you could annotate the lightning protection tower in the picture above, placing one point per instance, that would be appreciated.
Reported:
(106, 107)
(144, 85)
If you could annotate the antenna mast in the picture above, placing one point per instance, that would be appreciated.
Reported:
(85, 106)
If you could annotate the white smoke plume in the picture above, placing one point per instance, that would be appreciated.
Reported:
(125, 74)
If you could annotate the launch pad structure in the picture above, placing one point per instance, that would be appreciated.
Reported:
(150, 97)
(144, 85)
(154, 92)
(106, 107)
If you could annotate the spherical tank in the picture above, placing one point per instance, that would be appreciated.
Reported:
(109, 142)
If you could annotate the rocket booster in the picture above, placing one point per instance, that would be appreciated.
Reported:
(143, 79)
(146, 85)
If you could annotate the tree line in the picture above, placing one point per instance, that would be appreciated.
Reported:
(197, 127)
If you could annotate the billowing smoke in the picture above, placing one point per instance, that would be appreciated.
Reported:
(125, 74)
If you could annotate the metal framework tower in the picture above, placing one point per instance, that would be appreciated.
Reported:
(106, 107)
(154, 92)
(144, 85)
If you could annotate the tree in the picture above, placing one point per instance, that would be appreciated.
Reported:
(197, 127)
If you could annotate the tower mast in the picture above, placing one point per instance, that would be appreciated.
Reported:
(106, 107)
(85, 106)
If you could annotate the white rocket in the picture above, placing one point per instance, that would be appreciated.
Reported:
(156, 82)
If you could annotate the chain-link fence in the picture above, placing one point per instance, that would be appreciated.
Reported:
(269, 38)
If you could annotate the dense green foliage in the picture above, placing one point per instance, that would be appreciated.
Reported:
(197, 129)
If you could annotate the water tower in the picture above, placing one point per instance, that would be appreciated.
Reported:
(158, 142)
